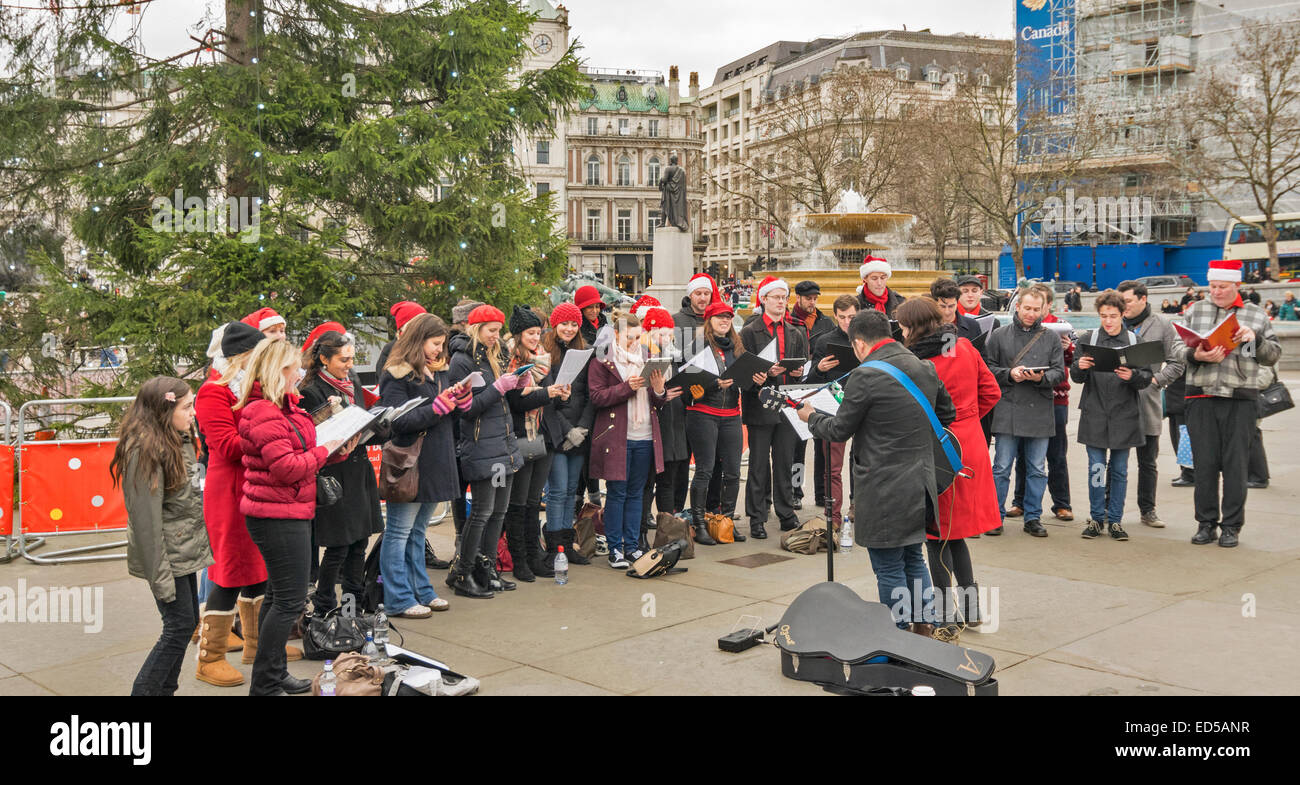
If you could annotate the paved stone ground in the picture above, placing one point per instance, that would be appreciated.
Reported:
(1152, 616)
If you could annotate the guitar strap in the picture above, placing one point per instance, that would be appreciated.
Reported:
(945, 438)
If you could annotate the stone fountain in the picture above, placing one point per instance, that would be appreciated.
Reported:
(839, 240)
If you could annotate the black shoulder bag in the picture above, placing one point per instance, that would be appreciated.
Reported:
(328, 489)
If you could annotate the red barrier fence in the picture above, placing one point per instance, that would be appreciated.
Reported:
(6, 490)
(66, 488)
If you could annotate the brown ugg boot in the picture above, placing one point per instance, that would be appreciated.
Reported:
(250, 610)
(213, 668)
(233, 643)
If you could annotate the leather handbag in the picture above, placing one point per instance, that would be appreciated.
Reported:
(399, 475)
(328, 636)
(584, 530)
(720, 527)
(1273, 399)
(669, 528)
(534, 448)
(354, 676)
(328, 489)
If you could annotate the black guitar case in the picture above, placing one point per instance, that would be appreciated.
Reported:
(829, 634)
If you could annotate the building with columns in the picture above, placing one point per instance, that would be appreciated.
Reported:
(620, 137)
(543, 160)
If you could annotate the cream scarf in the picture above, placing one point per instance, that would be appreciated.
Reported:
(629, 365)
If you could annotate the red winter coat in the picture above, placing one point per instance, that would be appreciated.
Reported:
(237, 561)
(970, 506)
(279, 471)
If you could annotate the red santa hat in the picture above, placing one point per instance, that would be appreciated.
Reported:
(772, 284)
(263, 319)
(319, 331)
(405, 311)
(1224, 270)
(655, 318)
(874, 264)
(704, 281)
(643, 305)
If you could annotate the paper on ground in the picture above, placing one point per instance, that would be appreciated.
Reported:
(574, 361)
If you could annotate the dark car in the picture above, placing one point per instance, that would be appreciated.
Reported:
(1152, 281)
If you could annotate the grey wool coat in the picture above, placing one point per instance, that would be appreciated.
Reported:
(1026, 407)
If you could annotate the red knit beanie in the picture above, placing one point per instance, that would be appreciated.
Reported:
(565, 312)
(656, 318)
(405, 311)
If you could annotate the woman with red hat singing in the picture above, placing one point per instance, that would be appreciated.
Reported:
(577, 415)
(488, 454)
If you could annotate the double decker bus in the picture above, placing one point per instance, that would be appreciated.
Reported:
(1246, 243)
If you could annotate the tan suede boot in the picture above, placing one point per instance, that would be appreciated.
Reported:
(233, 643)
(249, 612)
(213, 668)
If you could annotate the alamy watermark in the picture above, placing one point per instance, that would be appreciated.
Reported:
(1129, 215)
(199, 215)
(82, 605)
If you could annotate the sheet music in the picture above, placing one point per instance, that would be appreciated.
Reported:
(394, 413)
(574, 361)
(986, 323)
(344, 425)
(800, 427)
(769, 352)
(475, 380)
(704, 361)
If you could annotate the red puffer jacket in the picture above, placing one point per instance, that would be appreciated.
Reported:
(279, 472)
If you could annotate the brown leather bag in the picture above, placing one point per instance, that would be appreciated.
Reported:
(589, 520)
(668, 528)
(721, 528)
(355, 677)
(399, 474)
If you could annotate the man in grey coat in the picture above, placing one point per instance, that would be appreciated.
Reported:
(1150, 326)
(893, 463)
(1027, 360)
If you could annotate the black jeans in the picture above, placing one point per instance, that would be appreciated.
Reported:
(486, 514)
(662, 488)
(681, 483)
(162, 668)
(1258, 471)
(1221, 430)
(526, 487)
(771, 473)
(223, 598)
(286, 549)
(719, 443)
(1148, 474)
(346, 563)
(800, 460)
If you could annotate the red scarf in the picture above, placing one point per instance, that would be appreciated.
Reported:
(344, 386)
(879, 302)
(965, 312)
(1238, 303)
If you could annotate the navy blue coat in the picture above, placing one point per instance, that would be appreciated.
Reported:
(401, 383)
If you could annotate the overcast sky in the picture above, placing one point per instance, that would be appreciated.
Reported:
(697, 35)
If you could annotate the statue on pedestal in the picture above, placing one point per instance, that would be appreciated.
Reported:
(672, 185)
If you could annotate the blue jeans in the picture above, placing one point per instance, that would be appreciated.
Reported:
(1005, 450)
(562, 490)
(623, 499)
(1100, 475)
(901, 575)
(401, 556)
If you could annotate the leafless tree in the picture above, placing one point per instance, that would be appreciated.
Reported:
(1242, 126)
(931, 189)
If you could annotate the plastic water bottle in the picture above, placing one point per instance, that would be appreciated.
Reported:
(469, 503)
(381, 630)
(561, 567)
(846, 534)
(369, 650)
(328, 680)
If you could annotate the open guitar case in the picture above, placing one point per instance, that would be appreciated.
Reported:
(832, 637)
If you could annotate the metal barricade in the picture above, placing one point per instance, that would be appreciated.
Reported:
(64, 556)
(9, 545)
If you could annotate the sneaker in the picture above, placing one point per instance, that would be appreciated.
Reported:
(1092, 530)
(1117, 532)
(617, 561)
(1152, 520)
(636, 554)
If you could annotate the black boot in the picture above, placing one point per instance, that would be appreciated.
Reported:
(463, 583)
(485, 572)
(514, 525)
(970, 605)
(701, 528)
(553, 542)
(641, 543)
(1228, 536)
(570, 550)
(532, 544)
(1205, 534)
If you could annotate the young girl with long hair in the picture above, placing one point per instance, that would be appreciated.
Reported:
(157, 468)
(576, 416)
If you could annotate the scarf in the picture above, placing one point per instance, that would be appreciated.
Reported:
(961, 310)
(878, 303)
(630, 365)
(805, 319)
(344, 386)
(933, 344)
(236, 385)
(1132, 324)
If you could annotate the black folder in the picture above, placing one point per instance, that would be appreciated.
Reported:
(848, 360)
(744, 368)
(1106, 359)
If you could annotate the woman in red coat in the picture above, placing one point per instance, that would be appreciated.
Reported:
(237, 572)
(968, 508)
(281, 459)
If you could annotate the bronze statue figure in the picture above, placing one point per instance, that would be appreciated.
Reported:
(672, 184)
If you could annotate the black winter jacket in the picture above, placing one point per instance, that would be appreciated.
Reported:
(487, 444)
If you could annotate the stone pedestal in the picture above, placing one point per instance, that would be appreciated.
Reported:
(674, 264)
